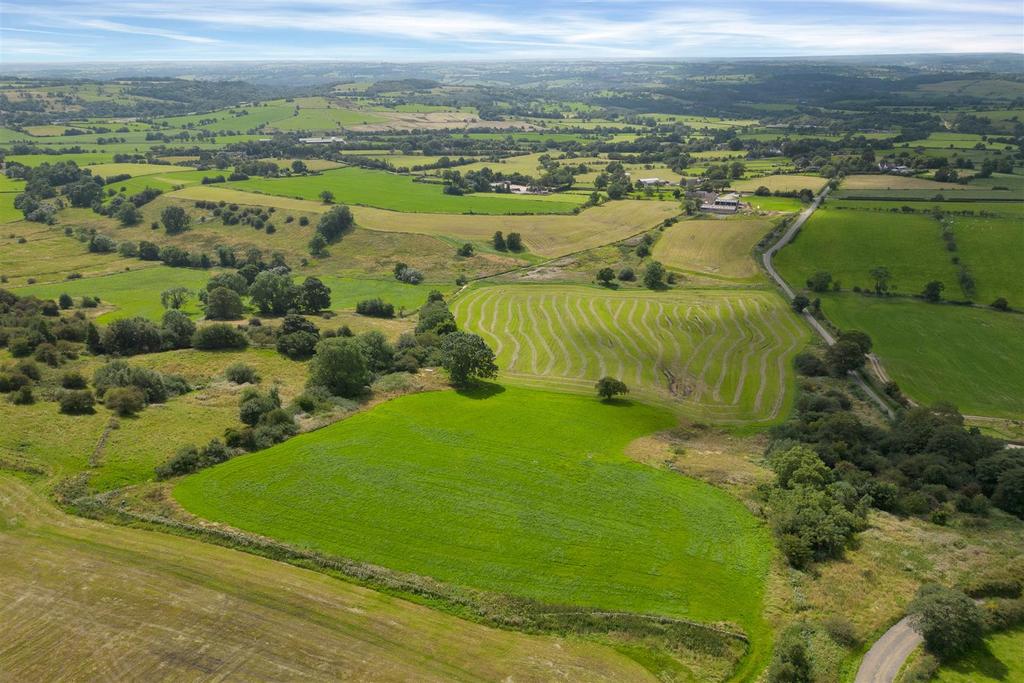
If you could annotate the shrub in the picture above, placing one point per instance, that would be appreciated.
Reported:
(29, 369)
(240, 373)
(219, 336)
(223, 303)
(65, 301)
(125, 401)
(12, 381)
(47, 353)
(77, 402)
(627, 275)
(948, 620)
(23, 396)
(376, 308)
(297, 345)
(72, 380)
(155, 386)
(176, 329)
(340, 367)
(810, 365)
(130, 336)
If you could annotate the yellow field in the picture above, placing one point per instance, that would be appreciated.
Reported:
(714, 247)
(780, 183)
(894, 182)
(81, 600)
(550, 236)
(311, 164)
(135, 170)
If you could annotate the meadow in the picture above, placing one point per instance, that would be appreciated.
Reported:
(1000, 658)
(127, 294)
(431, 484)
(713, 247)
(57, 568)
(783, 204)
(849, 244)
(966, 356)
(134, 170)
(400, 193)
(716, 355)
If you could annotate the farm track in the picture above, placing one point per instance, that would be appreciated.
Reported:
(691, 350)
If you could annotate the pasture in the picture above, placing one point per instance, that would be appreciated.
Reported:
(894, 182)
(383, 190)
(127, 294)
(432, 484)
(966, 356)
(716, 355)
(781, 204)
(713, 247)
(849, 244)
(999, 658)
(780, 183)
(58, 568)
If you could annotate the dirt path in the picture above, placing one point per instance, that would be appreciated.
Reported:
(886, 657)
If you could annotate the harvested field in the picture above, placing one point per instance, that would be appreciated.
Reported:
(716, 355)
(714, 247)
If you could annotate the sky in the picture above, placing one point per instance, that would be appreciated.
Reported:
(417, 30)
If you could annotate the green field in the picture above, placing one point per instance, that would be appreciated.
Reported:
(999, 660)
(322, 119)
(519, 491)
(346, 292)
(137, 169)
(400, 193)
(719, 355)
(849, 243)
(967, 356)
(780, 183)
(57, 569)
(132, 293)
(786, 204)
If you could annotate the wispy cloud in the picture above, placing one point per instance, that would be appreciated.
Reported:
(384, 29)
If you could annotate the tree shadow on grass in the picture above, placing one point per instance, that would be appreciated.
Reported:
(480, 390)
(981, 660)
(618, 402)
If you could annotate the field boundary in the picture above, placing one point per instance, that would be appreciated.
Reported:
(490, 608)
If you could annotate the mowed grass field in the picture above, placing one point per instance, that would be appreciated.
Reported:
(713, 247)
(999, 660)
(81, 600)
(780, 183)
(510, 490)
(849, 244)
(137, 169)
(549, 236)
(401, 193)
(969, 357)
(719, 355)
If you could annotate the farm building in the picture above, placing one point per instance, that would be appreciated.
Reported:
(652, 182)
(321, 141)
(726, 203)
(512, 188)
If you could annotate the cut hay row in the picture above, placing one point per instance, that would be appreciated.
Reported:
(718, 355)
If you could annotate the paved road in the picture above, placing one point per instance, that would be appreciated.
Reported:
(766, 258)
(885, 658)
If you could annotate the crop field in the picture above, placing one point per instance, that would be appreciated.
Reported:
(780, 183)
(311, 164)
(716, 355)
(713, 247)
(399, 193)
(849, 244)
(82, 159)
(1000, 658)
(967, 356)
(132, 293)
(324, 119)
(558, 513)
(78, 602)
(548, 236)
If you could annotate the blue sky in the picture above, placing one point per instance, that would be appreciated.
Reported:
(409, 30)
